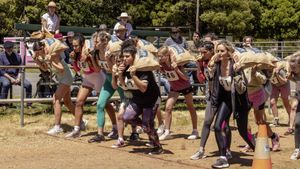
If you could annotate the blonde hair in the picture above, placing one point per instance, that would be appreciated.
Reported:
(164, 50)
(229, 47)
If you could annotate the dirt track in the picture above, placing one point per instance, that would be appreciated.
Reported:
(30, 148)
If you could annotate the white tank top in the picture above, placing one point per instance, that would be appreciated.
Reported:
(226, 82)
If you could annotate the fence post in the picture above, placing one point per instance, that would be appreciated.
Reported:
(22, 82)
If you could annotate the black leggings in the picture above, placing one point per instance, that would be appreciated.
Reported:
(208, 119)
(224, 112)
(242, 124)
(297, 127)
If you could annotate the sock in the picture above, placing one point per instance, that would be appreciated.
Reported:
(120, 139)
(114, 126)
(195, 130)
(76, 128)
(57, 126)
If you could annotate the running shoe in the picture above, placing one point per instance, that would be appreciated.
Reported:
(275, 123)
(289, 131)
(221, 163)
(55, 131)
(245, 149)
(134, 137)
(165, 136)
(156, 150)
(198, 155)
(295, 155)
(119, 144)
(74, 134)
(113, 134)
(160, 129)
(150, 144)
(275, 143)
(97, 138)
(228, 154)
(139, 130)
(194, 135)
(83, 124)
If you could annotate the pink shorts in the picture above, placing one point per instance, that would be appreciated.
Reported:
(257, 98)
(284, 91)
(94, 80)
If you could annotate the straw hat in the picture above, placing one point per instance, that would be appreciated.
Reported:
(51, 4)
(124, 15)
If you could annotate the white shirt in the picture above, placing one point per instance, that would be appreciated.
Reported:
(128, 26)
(226, 82)
(52, 21)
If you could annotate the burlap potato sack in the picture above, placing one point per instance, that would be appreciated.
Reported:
(262, 60)
(55, 46)
(143, 44)
(145, 61)
(280, 78)
(182, 56)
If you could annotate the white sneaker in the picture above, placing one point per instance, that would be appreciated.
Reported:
(55, 131)
(139, 130)
(198, 155)
(228, 154)
(295, 155)
(74, 134)
(160, 129)
(83, 124)
(194, 135)
(165, 136)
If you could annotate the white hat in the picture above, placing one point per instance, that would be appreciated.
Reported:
(52, 4)
(124, 15)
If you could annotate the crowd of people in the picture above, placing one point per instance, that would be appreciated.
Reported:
(107, 64)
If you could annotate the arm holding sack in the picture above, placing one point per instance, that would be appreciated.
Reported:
(114, 81)
(179, 70)
(56, 63)
(141, 84)
(211, 64)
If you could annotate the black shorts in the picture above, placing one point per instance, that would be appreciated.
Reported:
(185, 91)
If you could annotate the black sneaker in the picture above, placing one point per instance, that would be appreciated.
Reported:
(97, 138)
(134, 137)
(221, 163)
(156, 150)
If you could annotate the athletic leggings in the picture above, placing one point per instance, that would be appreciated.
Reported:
(223, 114)
(208, 119)
(297, 127)
(132, 113)
(105, 94)
(242, 124)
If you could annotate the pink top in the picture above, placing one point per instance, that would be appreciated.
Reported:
(176, 82)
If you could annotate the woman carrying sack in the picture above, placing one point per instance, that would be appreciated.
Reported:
(93, 76)
(138, 86)
(55, 62)
(180, 84)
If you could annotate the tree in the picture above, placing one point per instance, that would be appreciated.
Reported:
(227, 16)
(280, 19)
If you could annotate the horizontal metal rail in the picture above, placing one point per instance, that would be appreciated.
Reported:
(50, 99)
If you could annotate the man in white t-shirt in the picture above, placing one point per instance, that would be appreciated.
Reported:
(50, 20)
(123, 20)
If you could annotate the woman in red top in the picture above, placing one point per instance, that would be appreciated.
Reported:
(93, 77)
(180, 84)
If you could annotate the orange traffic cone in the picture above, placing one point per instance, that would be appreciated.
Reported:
(262, 158)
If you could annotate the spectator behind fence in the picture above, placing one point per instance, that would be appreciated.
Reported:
(123, 20)
(192, 44)
(68, 41)
(50, 20)
(176, 38)
(102, 27)
(11, 76)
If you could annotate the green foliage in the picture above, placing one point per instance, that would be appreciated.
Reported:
(280, 19)
(227, 16)
(277, 19)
